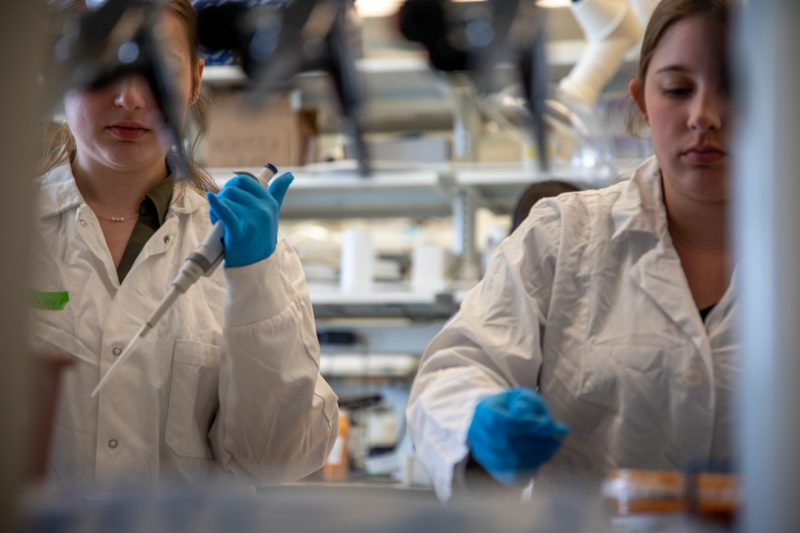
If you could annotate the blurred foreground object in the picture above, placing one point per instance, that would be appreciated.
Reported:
(45, 383)
(22, 39)
(276, 42)
(302, 507)
(473, 38)
(635, 495)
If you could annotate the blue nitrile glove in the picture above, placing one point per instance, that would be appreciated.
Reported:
(512, 434)
(249, 215)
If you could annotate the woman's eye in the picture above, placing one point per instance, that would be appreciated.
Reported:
(676, 92)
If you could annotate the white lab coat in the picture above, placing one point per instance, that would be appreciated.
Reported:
(229, 377)
(587, 303)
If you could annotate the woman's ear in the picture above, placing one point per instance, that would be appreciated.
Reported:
(635, 89)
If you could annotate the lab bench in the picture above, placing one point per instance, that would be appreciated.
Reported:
(347, 507)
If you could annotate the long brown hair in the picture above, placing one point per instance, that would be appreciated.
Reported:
(667, 13)
(60, 144)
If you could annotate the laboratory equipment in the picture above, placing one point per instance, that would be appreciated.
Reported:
(611, 28)
(357, 261)
(201, 262)
(658, 497)
(578, 142)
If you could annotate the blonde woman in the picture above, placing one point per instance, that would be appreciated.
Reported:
(229, 380)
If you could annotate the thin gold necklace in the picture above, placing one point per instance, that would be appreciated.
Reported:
(116, 219)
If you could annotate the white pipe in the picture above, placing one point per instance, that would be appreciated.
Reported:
(643, 9)
(767, 222)
(611, 29)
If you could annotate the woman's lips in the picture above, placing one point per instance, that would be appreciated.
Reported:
(704, 156)
(128, 132)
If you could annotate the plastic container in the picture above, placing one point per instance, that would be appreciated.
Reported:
(704, 496)
(338, 464)
(645, 492)
(714, 497)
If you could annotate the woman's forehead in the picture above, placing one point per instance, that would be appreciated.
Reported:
(689, 44)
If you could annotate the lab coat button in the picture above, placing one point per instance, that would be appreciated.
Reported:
(116, 351)
(83, 223)
(166, 239)
(693, 377)
(113, 443)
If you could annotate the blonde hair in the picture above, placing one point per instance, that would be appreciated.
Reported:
(60, 144)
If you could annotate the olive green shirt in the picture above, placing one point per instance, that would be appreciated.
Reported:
(152, 212)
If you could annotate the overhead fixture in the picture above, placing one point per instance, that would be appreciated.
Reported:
(554, 3)
(377, 8)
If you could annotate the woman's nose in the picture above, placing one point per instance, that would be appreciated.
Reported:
(706, 111)
(132, 93)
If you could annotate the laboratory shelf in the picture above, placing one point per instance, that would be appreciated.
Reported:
(337, 190)
(341, 365)
(407, 81)
(383, 300)
(499, 186)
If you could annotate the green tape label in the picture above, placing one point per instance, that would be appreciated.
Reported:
(51, 301)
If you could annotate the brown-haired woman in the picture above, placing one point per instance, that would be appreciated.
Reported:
(604, 327)
(228, 381)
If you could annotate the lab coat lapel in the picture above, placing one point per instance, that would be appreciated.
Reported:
(90, 232)
(184, 202)
(657, 271)
(660, 275)
(160, 242)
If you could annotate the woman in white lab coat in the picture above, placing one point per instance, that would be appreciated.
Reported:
(602, 335)
(229, 379)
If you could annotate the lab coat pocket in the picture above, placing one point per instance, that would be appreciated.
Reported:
(193, 398)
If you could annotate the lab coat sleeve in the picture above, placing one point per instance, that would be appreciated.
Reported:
(493, 343)
(277, 418)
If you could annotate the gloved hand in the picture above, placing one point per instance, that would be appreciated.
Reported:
(512, 434)
(249, 215)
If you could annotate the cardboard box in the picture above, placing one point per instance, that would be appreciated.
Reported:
(240, 135)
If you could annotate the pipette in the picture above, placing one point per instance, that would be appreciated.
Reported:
(202, 261)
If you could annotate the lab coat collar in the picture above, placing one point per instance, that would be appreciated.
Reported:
(186, 199)
(58, 193)
(658, 272)
(640, 206)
